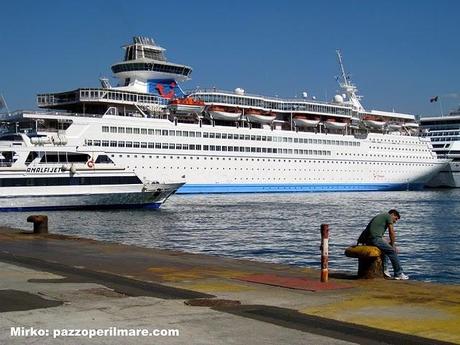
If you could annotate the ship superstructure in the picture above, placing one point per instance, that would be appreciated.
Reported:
(444, 133)
(231, 141)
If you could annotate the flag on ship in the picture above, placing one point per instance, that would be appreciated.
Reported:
(434, 99)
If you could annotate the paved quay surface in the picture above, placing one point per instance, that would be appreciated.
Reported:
(54, 283)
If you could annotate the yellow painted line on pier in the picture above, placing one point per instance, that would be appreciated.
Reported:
(177, 274)
(431, 311)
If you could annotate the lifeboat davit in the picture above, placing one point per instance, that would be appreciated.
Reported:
(224, 113)
(186, 105)
(302, 121)
(259, 116)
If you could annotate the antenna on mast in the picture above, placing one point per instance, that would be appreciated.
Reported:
(346, 85)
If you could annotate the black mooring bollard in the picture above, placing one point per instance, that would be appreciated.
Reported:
(40, 223)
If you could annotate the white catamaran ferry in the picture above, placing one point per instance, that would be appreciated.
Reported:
(220, 141)
(444, 132)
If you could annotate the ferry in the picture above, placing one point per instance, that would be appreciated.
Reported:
(33, 177)
(220, 141)
(444, 133)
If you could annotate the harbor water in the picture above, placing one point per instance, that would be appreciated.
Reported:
(281, 228)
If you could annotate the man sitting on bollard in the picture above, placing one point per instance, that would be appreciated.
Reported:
(373, 236)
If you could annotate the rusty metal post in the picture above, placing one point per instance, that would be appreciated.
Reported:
(324, 252)
(40, 223)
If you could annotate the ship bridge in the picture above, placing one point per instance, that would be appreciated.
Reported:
(146, 69)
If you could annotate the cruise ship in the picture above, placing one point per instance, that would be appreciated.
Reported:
(444, 132)
(228, 141)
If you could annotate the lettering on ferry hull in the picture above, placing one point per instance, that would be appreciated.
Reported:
(44, 170)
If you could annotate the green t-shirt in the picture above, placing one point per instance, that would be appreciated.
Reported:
(379, 224)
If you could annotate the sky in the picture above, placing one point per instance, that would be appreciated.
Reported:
(399, 53)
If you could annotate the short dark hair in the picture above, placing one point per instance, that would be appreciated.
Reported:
(396, 213)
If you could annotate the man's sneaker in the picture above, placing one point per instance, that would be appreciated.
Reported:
(401, 276)
(386, 273)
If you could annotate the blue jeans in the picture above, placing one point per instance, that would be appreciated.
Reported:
(389, 252)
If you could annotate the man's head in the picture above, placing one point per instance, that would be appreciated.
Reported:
(395, 215)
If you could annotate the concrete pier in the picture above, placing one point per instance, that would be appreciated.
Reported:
(60, 282)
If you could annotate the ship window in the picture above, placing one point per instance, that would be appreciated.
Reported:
(185, 147)
(97, 143)
(212, 135)
(218, 136)
(151, 145)
(136, 144)
(105, 129)
(113, 143)
(129, 130)
(158, 145)
(157, 131)
(103, 159)
(171, 133)
(171, 146)
(105, 143)
(121, 129)
(164, 132)
(144, 145)
(151, 131)
(31, 156)
(143, 131)
(136, 130)
(121, 144)
(129, 144)
(164, 145)
(230, 136)
(89, 142)
(113, 129)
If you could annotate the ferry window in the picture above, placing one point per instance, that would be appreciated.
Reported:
(230, 148)
(275, 150)
(121, 129)
(144, 145)
(258, 138)
(253, 137)
(258, 149)
(164, 132)
(192, 146)
(235, 136)
(157, 131)
(121, 144)
(218, 136)
(224, 135)
(296, 151)
(236, 148)
(192, 134)
(315, 141)
(136, 144)
(224, 148)
(32, 155)
(171, 146)
(97, 143)
(103, 159)
(113, 143)
(205, 135)
(264, 149)
(172, 133)
(205, 147)
(164, 146)
(285, 151)
(185, 134)
(296, 140)
(158, 145)
(105, 129)
(151, 145)
(179, 133)
(136, 130)
(269, 150)
(105, 143)
(198, 134)
(185, 146)
(212, 147)
(230, 136)
(89, 142)
(212, 135)
(198, 147)
(113, 129)
(129, 144)
(246, 137)
(247, 149)
(150, 131)
(218, 148)
(129, 130)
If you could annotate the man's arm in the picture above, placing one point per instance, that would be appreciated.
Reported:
(391, 232)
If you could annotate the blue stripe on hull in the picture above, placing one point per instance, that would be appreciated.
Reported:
(80, 207)
(291, 188)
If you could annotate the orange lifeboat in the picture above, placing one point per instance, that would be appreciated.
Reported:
(259, 116)
(186, 105)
